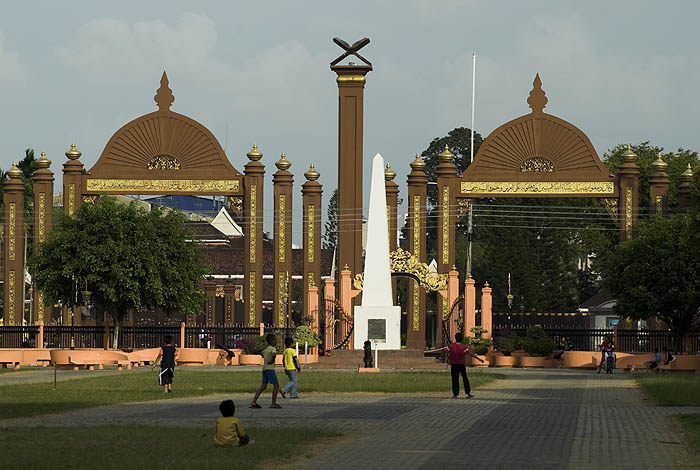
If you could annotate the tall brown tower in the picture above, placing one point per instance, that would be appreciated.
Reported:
(43, 219)
(283, 181)
(13, 295)
(351, 85)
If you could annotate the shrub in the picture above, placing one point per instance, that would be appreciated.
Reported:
(506, 342)
(305, 334)
(480, 346)
(536, 342)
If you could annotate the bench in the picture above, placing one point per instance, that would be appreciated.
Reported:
(667, 367)
(192, 357)
(140, 357)
(93, 358)
(11, 357)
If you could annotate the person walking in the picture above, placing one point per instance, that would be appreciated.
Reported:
(166, 356)
(291, 369)
(457, 352)
(268, 373)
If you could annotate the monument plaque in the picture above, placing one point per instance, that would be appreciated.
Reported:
(376, 330)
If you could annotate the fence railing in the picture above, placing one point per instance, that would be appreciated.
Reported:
(18, 336)
(230, 337)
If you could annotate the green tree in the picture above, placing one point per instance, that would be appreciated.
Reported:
(658, 273)
(330, 232)
(130, 258)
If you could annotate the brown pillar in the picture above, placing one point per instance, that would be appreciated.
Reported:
(229, 296)
(446, 171)
(452, 295)
(417, 192)
(72, 181)
(684, 189)
(311, 194)
(253, 236)
(351, 84)
(329, 310)
(210, 294)
(628, 178)
(312, 306)
(392, 201)
(43, 222)
(659, 184)
(486, 311)
(13, 266)
(282, 181)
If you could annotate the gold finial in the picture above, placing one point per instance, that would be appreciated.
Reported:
(537, 99)
(43, 162)
(254, 155)
(14, 172)
(629, 156)
(446, 156)
(346, 267)
(418, 164)
(312, 174)
(388, 173)
(73, 153)
(283, 164)
(688, 174)
(659, 164)
(486, 284)
(164, 95)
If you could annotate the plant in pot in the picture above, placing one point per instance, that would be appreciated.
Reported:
(506, 342)
(252, 348)
(479, 345)
(538, 345)
(306, 335)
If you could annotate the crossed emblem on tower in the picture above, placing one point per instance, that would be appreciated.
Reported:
(351, 50)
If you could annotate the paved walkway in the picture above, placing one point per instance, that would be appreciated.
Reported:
(533, 419)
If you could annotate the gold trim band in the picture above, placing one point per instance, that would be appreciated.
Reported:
(171, 186)
(541, 187)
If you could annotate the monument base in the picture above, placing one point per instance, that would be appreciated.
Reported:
(381, 325)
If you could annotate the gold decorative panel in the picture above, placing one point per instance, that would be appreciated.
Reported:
(628, 213)
(388, 220)
(11, 230)
(537, 164)
(312, 280)
(281, 292)
(90, 199)
(282, 227)
(40, 308)
(310, 221)
(612, 207)
(446, 224)
(253, 236)
(42, 217)
(71, 200)
(406, 263)
(252, 300)
(541, 187)
(659, 205)
(162, 186)
(219, 291)
(445, 308)
(236, 204)
(163, 162)
(416, 226)
(11, 297)
(416, 308)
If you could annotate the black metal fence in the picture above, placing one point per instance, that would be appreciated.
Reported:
(77, 336)
(144, 337)
(18, 336)
(230, 337)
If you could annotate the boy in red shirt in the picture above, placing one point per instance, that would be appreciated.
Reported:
(457, 351)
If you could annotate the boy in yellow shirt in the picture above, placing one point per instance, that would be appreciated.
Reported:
(291, 367)
(229, 432)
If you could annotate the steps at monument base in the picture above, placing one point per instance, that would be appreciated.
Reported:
(351, 359)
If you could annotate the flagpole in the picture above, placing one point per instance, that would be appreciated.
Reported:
(471, 158)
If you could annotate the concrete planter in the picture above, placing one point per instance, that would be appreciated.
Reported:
(250, 360)
(532, 361)
(507, 361)
(486, 362)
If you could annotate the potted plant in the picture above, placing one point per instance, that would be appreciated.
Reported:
(306, 335)
(506, 342)
(538, 345)
(480, 346)
(252, 352)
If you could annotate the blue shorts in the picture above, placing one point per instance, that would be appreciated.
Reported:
(269, 376)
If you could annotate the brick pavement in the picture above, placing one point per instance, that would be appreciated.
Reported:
(533, 419)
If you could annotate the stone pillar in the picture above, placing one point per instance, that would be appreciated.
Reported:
(684, 189)
(469, 306)
(628, 178)
(312, 306)
(311, 194)
(659, 184)
(452, 295)
(329, 311)
(446, 171)
(486, 312)
(347, 293)
(13, 246)
(351, 84)
(283, 184)
(182, 335)
(210, 294)
(417, 195)
(40, 336)
(253, 236)
(43, 221)
(72, 181)
(392, 202)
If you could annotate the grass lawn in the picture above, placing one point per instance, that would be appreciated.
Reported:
(672, 389)
(40, 398)
(118, 447)
(676, 390)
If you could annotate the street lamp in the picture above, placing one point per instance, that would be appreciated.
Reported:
(509, 297)
(76, 283)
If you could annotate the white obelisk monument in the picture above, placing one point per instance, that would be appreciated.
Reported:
(377, 319)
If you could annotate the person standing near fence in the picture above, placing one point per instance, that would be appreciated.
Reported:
(166, 356)
(291, 369)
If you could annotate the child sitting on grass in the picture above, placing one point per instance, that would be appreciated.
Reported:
(229, 432)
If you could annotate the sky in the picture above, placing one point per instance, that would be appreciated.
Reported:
(258, 72)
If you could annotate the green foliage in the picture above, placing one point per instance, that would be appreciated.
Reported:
(305, 334)
(478, 331)
(330, 232)
(130, 258)
(506, 342)
(658, 273)
(259, 346)
(671, 389)
(536, 342)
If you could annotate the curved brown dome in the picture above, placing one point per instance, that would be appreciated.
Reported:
(162, 145)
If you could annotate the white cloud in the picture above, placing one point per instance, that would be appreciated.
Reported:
(12, 71)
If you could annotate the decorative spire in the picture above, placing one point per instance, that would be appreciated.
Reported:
(388, 173)
(283, 164)
(446, 156)
(537, 99)
(73, 153)
(164, 95)
(418, 164)
(14, 172)
(629, 156)
(659, 164)
(254, 155)
(312, 174)
(688, 174)
(43, 162)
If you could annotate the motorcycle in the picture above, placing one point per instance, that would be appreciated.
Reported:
(609, 360)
